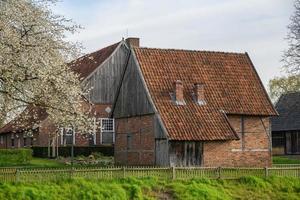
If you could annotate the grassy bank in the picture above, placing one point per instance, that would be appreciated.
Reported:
(150, 188)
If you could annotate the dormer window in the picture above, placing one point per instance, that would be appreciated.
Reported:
(177, 94)
(198, 94)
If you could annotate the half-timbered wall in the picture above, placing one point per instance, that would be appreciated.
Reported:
(253, 149)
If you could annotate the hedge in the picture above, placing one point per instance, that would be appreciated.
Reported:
(15, 156)
(42, 152)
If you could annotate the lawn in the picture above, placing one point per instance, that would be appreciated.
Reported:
(285, 160)
(23, 158)
(151, 188)
(44, 162)
(35, 162)
(51, 163)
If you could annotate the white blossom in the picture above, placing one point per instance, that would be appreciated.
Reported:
(33, 62)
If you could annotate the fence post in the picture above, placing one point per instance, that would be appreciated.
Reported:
(124, 172)
(71, 172)
(266, 172)
(173, 173)
(219, 172)
(17, 175)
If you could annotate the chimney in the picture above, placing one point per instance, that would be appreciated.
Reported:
(133, 41)
(199, 93)
(178, 92)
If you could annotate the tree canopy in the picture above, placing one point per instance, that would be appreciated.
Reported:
(291, 59)
(33, 62)
(291, 56)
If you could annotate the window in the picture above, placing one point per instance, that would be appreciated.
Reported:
(31, 141)
(107, 128)
(1, 139)
(92, 134)
(129, 141)
(12, 142)
(278, 139)
(68, 136)
(24, 141)
(107, 125)
(92, 139)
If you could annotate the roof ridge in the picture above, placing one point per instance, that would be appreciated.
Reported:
(190, 50)
(86, 54)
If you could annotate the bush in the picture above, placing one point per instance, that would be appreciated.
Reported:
(42, 152)
(15, 156)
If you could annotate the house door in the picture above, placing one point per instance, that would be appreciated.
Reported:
(185, 153)
(292, 143)
(161, 152)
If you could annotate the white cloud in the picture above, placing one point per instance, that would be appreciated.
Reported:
(255, 26)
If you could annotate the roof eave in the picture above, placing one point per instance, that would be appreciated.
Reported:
(261, 84)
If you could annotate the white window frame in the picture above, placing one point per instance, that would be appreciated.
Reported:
(103, 128)
(95, 132)
(64, 132)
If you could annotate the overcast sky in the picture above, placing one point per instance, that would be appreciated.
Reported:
(254, 26)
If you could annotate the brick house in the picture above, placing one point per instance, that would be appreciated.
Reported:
(191, 108)
(100, 72)
(174, 107)
(286, 127)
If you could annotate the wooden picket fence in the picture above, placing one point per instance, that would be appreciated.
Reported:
(54, 174)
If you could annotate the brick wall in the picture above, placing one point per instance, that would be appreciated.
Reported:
(18, 138)
(47, 128)
(135, 143)
(253, 149)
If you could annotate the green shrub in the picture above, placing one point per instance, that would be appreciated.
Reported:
(15, 156)
(42, 152)
(254, 182)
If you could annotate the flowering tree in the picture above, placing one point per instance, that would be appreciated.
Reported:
(33, 62)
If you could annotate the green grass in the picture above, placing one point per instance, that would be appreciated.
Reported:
(44, 162)
(151, 188)
(285, 160)
(36, 162)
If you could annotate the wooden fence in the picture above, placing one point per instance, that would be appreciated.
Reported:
(53, 174)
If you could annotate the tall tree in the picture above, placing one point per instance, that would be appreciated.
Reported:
(281, 85)
(292, 54)
(291, 59)
(33, 61)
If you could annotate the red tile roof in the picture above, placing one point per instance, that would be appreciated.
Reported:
(231, 86)
(86, 64)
